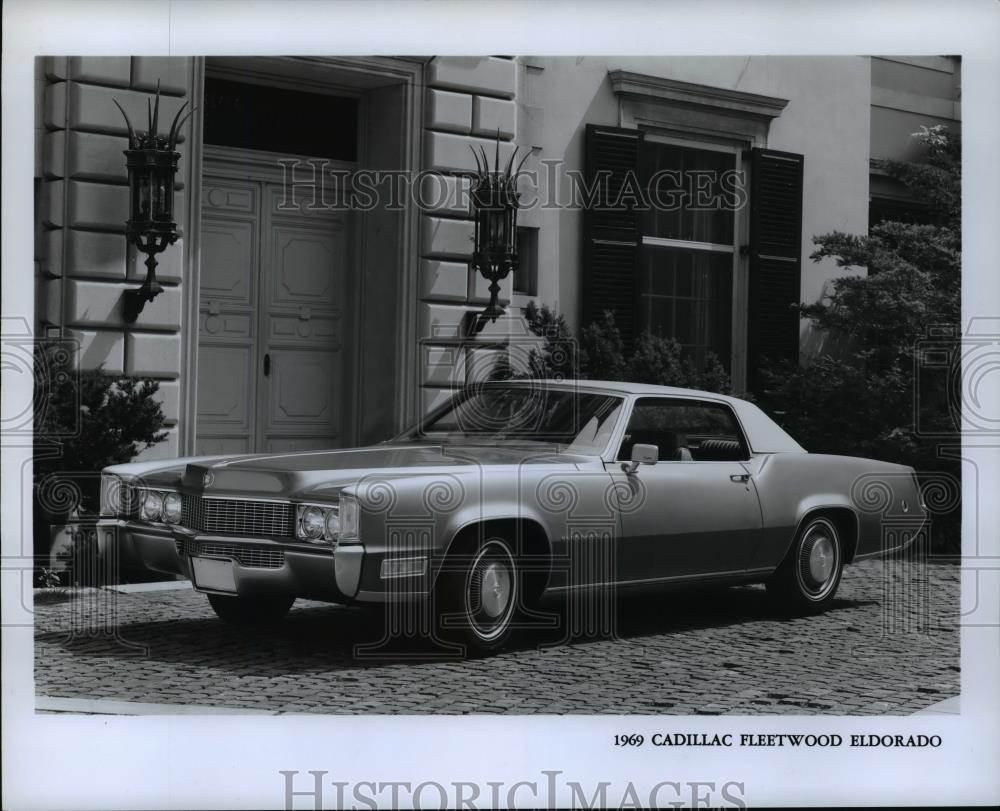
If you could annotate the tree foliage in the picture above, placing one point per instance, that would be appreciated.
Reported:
(866, 400)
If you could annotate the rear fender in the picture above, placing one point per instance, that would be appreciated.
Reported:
(847, 520)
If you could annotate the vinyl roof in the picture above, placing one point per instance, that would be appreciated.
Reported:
(763, 433)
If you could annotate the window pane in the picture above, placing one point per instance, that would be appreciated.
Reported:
(687, 295)
(526, 275)
(685, 193)
(684, 430)
(274, 119)
(581, 421)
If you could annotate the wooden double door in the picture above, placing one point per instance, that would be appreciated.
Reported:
(274, 317)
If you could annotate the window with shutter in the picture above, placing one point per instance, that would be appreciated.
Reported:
(775, 259)
(669, 268)
(682, 271)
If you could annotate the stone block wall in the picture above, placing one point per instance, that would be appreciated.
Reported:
(83, 262)
(468, 100)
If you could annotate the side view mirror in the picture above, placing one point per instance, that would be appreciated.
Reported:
(642, 455)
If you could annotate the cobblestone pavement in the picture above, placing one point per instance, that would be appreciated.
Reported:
(888, 645)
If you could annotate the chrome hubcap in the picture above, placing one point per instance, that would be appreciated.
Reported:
(490, 590)
(821, 560)
(494, 592)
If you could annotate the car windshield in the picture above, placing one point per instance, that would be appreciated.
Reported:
(579, 421)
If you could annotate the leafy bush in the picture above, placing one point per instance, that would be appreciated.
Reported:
(557, 354)
(85, 421)
(600, 354)
(654, 359)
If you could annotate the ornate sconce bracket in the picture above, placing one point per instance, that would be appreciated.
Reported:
(151, 160)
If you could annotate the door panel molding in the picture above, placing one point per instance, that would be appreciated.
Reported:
(277, 284)
(309, 280)
(252, 164)
(227, 321)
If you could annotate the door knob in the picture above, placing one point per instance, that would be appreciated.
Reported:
(267, 364)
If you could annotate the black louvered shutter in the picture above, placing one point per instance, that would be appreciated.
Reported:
(611, 235)
(775, 259)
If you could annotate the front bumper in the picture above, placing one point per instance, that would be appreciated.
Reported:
(352, 573)
(261, 566)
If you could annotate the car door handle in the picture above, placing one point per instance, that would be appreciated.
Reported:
(740, 478)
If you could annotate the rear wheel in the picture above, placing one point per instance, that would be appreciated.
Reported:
(808, 578)
(477, 595)
(250, 610)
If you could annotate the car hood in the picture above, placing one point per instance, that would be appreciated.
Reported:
(292, 474)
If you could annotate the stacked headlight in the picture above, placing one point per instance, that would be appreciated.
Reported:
(159, 506)
(312, 522)
(327, 523)
(172, 508)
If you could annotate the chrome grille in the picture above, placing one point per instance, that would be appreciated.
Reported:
(237, 516)
(253, 557)
(192, 512)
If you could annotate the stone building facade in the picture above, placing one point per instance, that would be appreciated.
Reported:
(296, 326)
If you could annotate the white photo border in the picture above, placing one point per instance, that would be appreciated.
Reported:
(234, 761)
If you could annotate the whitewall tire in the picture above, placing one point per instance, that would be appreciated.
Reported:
(808, 578)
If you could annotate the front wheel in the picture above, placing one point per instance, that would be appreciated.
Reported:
(808, 578)
(477, 594)
(254, 611)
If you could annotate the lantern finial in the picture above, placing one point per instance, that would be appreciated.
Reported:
(128, 124)
(154, 123)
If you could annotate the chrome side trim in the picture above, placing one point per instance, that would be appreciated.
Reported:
(881, 553)
(668, 579)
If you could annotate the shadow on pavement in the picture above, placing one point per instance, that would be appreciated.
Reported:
(318, 638)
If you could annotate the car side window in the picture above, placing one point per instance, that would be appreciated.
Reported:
(684, 430)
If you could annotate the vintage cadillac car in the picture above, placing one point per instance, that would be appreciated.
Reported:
(511, 491)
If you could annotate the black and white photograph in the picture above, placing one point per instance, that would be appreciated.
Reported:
(614, 426)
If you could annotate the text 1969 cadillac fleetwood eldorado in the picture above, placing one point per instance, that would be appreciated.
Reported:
(509, 491)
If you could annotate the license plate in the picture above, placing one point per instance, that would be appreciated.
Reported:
(216, 575)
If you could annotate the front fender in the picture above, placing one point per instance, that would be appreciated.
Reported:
(421, 516)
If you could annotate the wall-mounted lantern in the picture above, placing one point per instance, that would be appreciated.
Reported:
(151, 160)
(494, 206)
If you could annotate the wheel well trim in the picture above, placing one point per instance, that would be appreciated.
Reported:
(454, 534)
(850, 544)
